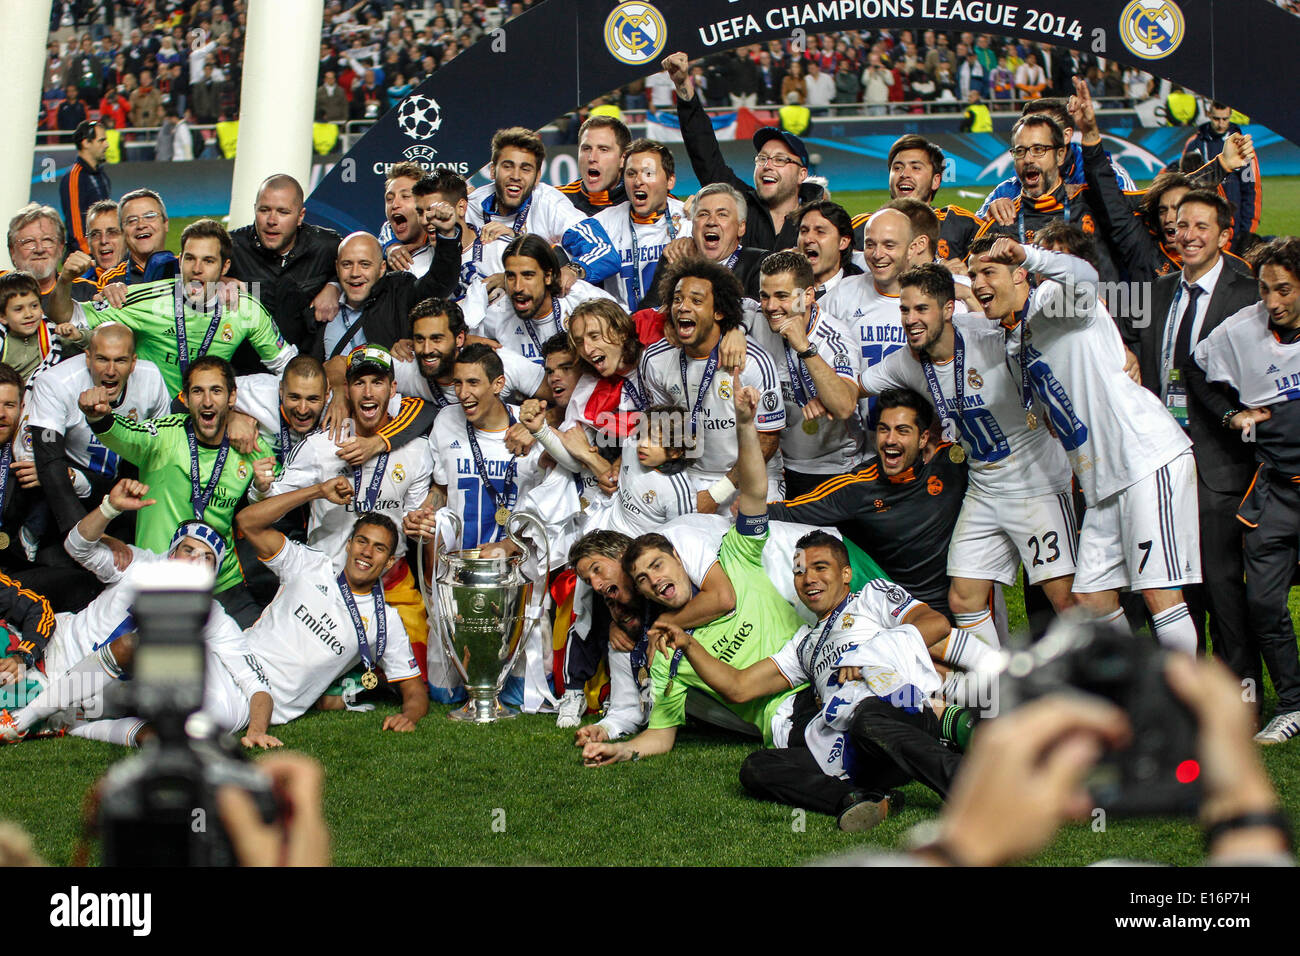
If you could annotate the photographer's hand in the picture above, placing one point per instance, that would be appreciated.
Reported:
(1024, 777)
(300, 837)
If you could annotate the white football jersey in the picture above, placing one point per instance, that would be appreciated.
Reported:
(258, 395)
(650, 240)
(647, 498)
(1244, 353)
(871, 317)
(809, 657)
(1006, 458)
(52, 404)
(836, 446)
(715, 454)
(454, 468)
(549, 214)
(402, 489)
(305, 639)
(526, 336)
(523, 379)
(1114, 431)
(109, 616)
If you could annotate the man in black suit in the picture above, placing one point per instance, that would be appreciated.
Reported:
(1186, 307)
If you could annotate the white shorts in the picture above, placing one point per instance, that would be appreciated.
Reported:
(1146, 537)
(223, 701)
(994, 536)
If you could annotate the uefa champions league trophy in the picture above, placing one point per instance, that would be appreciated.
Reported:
(480, 614)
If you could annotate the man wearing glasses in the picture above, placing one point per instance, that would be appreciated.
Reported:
(780, 168)
(86, 183)
(36, 239)
(143, 220)
(1039, 149)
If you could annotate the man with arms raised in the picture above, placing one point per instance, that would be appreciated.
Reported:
(177, 321)
(407, 245)
(780, 168)
(324, 621)
(1019, 506)
(602, 141)
(759, 625)
(1132, 461)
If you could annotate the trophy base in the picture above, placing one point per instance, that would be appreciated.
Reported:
(485, 710)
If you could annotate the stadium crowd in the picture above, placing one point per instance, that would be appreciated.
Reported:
(785, 459)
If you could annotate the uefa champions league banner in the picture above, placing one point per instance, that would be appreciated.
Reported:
(563, 53)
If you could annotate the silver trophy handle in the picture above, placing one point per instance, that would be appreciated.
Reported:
(528, 518)
(440, 549)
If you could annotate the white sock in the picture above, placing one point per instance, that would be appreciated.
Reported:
(121, 731)
(965, 647)
(1115, 617)
(1174, 629)
(980, 624)
(83, 681)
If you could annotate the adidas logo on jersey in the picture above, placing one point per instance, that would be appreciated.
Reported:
(1272, 370)
(456, 443)
(323, 589)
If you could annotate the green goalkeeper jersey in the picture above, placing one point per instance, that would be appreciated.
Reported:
(762, 623)
(161, 450)
(150, 311)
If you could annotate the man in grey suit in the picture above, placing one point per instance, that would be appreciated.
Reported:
(1186, 307)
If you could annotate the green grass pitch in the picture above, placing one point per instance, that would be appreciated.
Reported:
(517, 793)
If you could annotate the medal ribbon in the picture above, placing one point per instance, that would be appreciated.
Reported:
(958, 369)
(1020, 216)
(634, 393)
(555, 317)
(801, 380)
(200, 496)
(6, 463)
(372, 490)
(636, 252)
(509, 493)
(381, 622)
(710, 369)
(826, 630)
(182, 333)
(1026, 388)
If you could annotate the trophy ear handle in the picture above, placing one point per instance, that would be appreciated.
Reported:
(522, 517)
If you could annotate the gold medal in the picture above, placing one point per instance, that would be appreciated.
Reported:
(369, 680)
(642, 675)
(1031, 420)
(668, 688)
(503, 515)
(956, 454)
(810, 427)
(4, 540)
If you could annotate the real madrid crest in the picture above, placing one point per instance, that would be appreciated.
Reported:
(724, 389)
(973, 379)
(242, 472)
(846, 622)
(648, 497)
(398, 473)
(227, 333)
(133, 415)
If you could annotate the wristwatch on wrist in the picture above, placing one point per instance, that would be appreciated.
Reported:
(807, 353)
(1229, 415)
(577, 268)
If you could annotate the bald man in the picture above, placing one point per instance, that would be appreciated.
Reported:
(374, 302)
(287, 263)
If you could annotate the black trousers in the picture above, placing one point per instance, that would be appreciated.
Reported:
(892, 748)
(1270, 560)
(799, 483)
(1222, 596)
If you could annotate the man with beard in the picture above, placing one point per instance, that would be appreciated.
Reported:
(780, 168)
(36, 240)
(287, 262)
(190, 466)
(534, 307)
(826, 240)
(602, 141)
(438, 333)
(407, 246)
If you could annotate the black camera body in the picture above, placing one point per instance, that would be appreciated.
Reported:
(159, 808)
(1157, 772)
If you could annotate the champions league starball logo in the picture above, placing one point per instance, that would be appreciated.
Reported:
(1151, 29)
(419, 117)
(635, 33)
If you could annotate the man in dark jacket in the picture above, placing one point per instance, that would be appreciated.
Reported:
(778, 187)
(285, 262)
